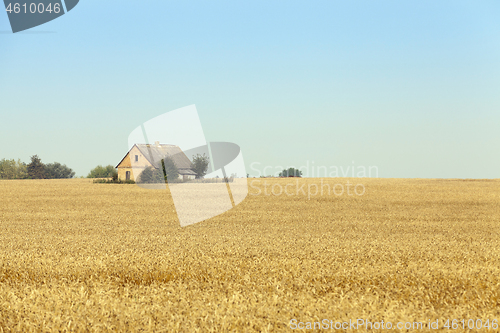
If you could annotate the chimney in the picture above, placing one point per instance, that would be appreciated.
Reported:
(157, 143)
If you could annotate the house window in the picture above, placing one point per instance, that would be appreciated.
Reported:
(137, 158)
(127, 175)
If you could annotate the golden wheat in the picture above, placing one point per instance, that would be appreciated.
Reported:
(77, 256)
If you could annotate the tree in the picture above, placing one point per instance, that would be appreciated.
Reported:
(58, 171)
(36, 169)
(170, 172)
(11, 169)
(167, 173)
(151, 175)
(291, 172)
(102, 172)
(200, 165)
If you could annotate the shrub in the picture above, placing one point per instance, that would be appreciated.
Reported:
(58, 171)
(36, 169)
(113, 181)
(151, 175)
(291, 172)
(100, 171)
(11, 169)
(200, 165)
(170, 173)
(170, 170)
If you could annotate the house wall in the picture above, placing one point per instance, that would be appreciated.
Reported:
(122, 173)
(129, 163)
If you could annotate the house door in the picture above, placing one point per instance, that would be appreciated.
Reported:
(127, 175)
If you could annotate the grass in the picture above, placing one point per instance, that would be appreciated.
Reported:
(76, 256)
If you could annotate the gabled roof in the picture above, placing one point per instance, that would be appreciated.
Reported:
(155, 153)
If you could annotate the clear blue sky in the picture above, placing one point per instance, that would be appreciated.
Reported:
(412, 87)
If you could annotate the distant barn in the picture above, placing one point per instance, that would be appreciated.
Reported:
(141, 156)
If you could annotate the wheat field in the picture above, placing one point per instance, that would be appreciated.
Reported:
(78, 256)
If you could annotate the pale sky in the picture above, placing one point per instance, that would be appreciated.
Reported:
(412, 87)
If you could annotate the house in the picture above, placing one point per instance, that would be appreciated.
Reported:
(141, 156)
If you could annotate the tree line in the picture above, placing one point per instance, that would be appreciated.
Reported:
(36, 169)
(12, 169)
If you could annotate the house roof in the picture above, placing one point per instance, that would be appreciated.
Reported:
(156, 152)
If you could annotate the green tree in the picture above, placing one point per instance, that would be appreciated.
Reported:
(291, 172)
(100, 171)
(200, 165)
(168, 173)
(36, 169)
(58, 171)
(171, 172)
(12, 169)
(151, 175)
